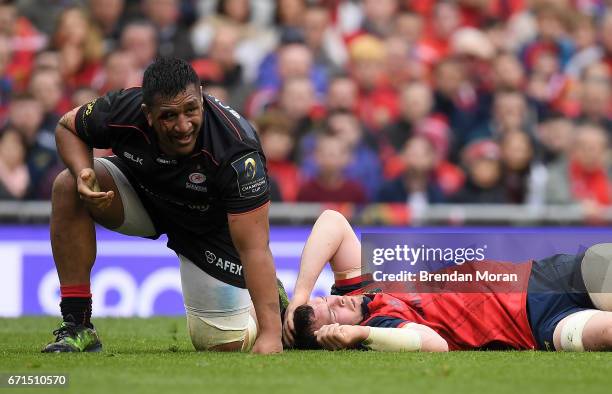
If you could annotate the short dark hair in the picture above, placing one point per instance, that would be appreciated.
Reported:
(166, 77)
(303, 321)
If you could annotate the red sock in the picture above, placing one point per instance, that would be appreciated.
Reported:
(76, 291)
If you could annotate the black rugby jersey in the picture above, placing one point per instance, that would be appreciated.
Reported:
(189, 197)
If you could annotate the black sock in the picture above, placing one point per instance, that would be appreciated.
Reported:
(77, 310)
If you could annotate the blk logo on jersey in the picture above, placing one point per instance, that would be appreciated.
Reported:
(252, 180)
(132, 157)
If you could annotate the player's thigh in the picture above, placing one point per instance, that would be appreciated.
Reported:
(596, 269)
(586, 330)
(127, 215)
(218, 315)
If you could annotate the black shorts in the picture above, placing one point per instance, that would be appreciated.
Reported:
(556, 290)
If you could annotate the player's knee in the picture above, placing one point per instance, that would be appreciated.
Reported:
(213, 334)
(606, 337)
(572, 332)
(64, 185)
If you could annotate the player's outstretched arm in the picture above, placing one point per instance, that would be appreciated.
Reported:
(332, 240)
(409, 338)
(250, 233)
(78, 158)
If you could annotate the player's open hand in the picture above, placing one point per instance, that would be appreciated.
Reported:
(288, 327)
(89, 190)
(267, 344)
(336, 336)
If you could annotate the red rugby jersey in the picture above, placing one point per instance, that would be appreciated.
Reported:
(489, 319)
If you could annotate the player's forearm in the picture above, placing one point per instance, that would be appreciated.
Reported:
(327, 236)
(260, 277)
(73, 151)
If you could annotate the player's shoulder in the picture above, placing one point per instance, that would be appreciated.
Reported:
(120, 106)
(227, 126)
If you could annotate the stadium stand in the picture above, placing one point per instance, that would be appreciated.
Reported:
(430, 112)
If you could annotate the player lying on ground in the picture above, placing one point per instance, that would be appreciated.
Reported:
(562, 306)
(185, 165)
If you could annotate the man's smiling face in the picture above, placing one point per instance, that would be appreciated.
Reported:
(177, 121)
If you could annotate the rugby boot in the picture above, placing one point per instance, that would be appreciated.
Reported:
(72, 337)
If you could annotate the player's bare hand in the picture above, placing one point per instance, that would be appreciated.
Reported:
(288, 327)
(336, 336)
(267, 344)
(89, 190)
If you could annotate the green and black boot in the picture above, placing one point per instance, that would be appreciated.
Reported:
(72, 337)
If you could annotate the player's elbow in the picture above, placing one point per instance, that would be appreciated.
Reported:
(435, 345)
(331, 215)
(441, 346)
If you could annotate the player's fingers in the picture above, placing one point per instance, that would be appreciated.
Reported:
(94, 197)
(324, 337)
(335, 337)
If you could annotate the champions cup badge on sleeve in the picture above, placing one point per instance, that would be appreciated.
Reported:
(250, 168)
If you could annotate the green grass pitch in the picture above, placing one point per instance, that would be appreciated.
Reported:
(155, 356)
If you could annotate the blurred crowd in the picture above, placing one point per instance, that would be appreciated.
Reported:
(405, 101)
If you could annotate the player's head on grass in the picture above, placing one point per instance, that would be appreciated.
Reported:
(304, 323)
(172, 103)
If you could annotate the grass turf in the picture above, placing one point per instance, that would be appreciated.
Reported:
(155, 356)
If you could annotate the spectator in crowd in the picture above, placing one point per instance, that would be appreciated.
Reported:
(26, 115)
(6, 82)
(409, 27)
(434, 45)
(140, 39)
(416, 104)
(457, 98)
(508, 73)
(584, 34)
(222, 67)
(595, 104)
(119, 72)
(14, 176)
(364, 166)
(332, 155)
(107, 15)
(278, 143)
(510, 112)
(482, 161)
(325, 43)
(79, 45)
(253, 42)
(584, 177)
(24, 39)
(552, 27)
(292, 59)
(378, 17)
(173, 38)
(524, 179)
(555, 136)
(342, 94)
(46, 88)
(377, 103)
(297, 101)
(417, 185)
(288, 15)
